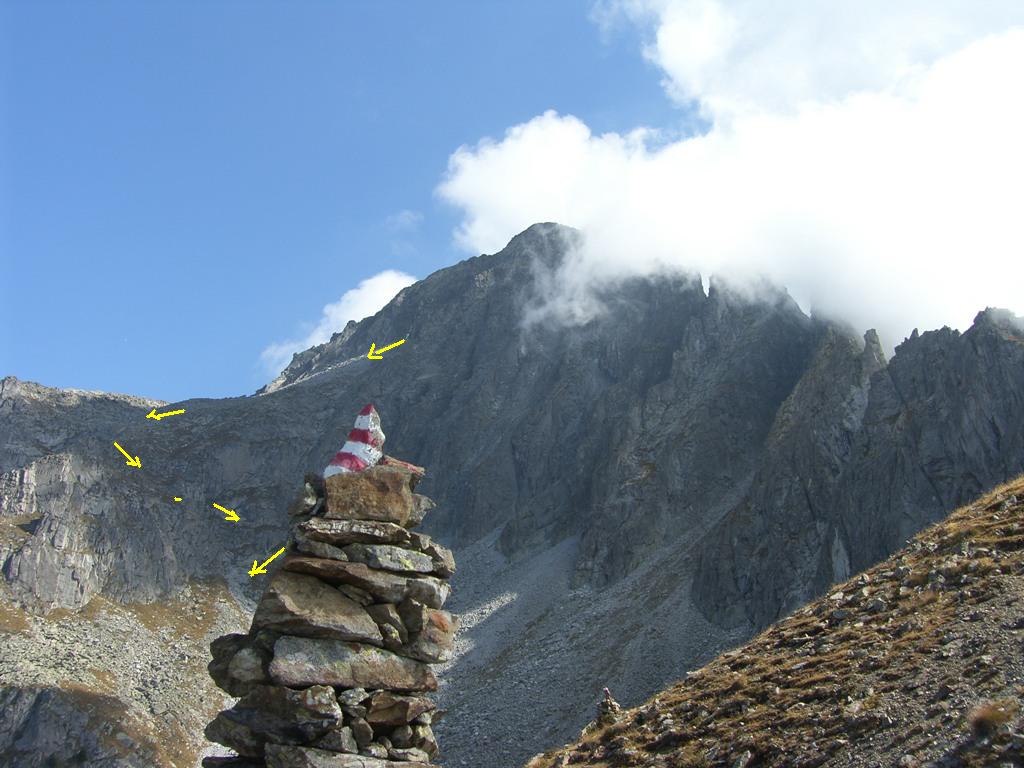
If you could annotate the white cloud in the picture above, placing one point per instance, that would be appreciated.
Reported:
(362, 301)
(745, 56)
(866, 159)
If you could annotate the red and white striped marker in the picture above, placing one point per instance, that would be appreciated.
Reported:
(364, 447)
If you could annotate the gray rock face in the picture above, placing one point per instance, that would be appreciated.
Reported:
(863, 455)
(46, 727)
(752, 450)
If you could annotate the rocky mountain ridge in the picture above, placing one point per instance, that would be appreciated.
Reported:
(727, 457)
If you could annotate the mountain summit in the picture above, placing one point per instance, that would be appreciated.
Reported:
(725, 458)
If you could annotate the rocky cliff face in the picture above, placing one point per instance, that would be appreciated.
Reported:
(676, 438)
(861, 456)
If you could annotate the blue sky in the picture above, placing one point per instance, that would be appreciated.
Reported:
(190, 188)
(183, 184)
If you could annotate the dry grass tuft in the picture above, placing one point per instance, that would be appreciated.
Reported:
(986, 718)
(12, 619)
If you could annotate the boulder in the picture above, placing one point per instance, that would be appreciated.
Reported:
(409, 756)
(249, 667)
(300, 661)
(303, 605)
(339, 740)
(378, 493)
(386, 615)
(341, 532)
(420, 506)
(387, 708)
(428, 590)
(237, 679)
(414, 615)
(423, 737)
(385, 586)
(388, 557)
(270, 713)
(352, 696)
(380, 751)
(392, 640)
(434, 642)
(442, 557)
(362, 731)
(401, 737)
(305, 502)
(242, 738)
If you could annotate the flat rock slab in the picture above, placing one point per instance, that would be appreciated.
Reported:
(297, 604)
(378, 493)
(307, 757)
(317, 548)
(388, 557)
(385, 586)
(301, 661)
(341, 532)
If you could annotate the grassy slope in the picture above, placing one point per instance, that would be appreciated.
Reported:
(916, 661)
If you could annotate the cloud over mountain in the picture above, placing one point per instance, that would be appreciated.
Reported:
(864, 156)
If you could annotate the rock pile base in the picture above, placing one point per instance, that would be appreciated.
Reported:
(333, 672)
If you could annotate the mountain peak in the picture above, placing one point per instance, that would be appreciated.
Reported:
(1003, 319)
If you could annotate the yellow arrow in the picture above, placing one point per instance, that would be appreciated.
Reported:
(263, 568)
(136, 462)
(375, 354)
(154, 415)
(231, 516)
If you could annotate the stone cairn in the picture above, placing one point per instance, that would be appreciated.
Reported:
(333, 672)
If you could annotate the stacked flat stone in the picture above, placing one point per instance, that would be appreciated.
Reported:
(333, 672)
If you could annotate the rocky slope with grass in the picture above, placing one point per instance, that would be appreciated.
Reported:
(726, 457)
(113, 684)
(917, 661)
